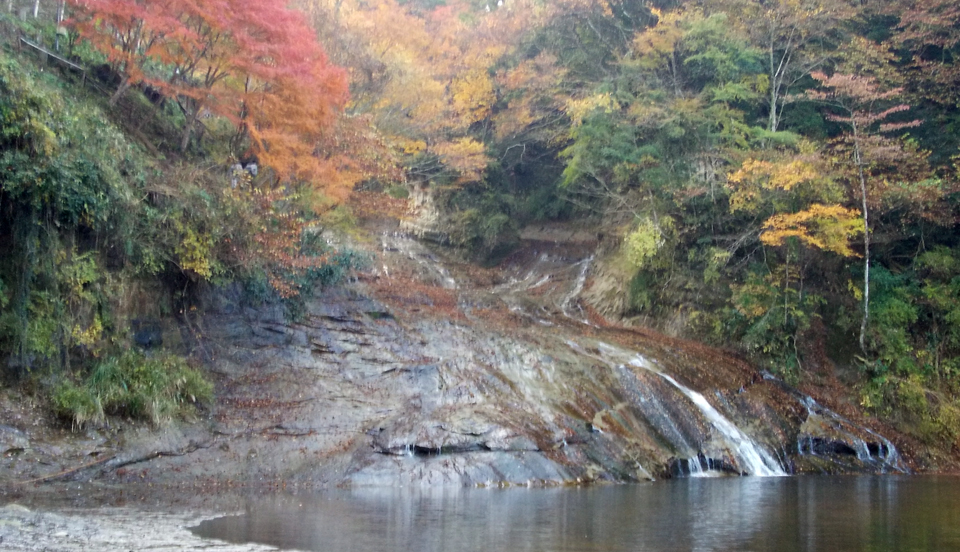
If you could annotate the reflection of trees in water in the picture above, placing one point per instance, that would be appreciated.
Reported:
(722, 515)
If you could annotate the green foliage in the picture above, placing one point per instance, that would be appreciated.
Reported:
(918, 409)
(912, 375)
(398, 192)
(67, 180)
(57, 155)
(893, 312)
(154, 389)
(643, 243)
(914, 331)
(715, 259)
(712, 52)
(484, 220)
(770, 312)
(338, 263)
(78, 404)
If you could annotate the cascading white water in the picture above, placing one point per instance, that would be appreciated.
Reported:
(751, 457)
(577, 288)
(887, 455)
(406, 245)
(694, 467)
(532, 279)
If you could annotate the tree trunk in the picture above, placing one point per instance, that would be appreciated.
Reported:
(191, 121)
(61, 6)
(36, 9)
(124, 86)
(773, 93)
(858, 159)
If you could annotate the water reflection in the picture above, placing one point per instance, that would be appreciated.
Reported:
(726, 514)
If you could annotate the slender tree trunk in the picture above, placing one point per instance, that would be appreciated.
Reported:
(773, 92)
(36, 9)
(60, 9)
(124, 86)
(858, 159)
(191, 121)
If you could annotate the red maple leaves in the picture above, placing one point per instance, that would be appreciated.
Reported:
(257, 64)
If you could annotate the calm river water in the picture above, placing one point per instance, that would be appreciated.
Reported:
(899, 513)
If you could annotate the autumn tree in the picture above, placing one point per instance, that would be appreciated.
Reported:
(126, 32)
(260, 67)
(444, 82)
(797, 37)
(929, 30)
(225, 58)
(867, 112)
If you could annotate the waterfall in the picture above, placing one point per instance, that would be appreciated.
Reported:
(751, 457)
(577, 288)
(695, 468)
(405, 245)
(884, 452)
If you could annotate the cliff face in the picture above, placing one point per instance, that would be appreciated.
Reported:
(428, 373)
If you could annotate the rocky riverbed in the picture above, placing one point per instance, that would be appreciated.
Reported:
(105, 530)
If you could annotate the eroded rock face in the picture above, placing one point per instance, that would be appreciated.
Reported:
(421, 376)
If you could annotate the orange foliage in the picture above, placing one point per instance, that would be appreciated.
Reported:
(826, 227)
(257, 64)
(424, 75)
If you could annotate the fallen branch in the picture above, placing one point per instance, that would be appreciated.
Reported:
(64, 473)
(192, 447)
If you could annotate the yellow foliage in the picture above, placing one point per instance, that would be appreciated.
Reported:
(410, 147)
(194, 251)
(578, 109)
(827, 227)
(655, 46)
(643, 243)
(473, 96)
(755, 175)
(855, 290)
(465, 155)
(88, 337)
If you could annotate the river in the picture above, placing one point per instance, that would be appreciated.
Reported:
(849, 513)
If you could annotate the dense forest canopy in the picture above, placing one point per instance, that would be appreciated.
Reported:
(779, 175)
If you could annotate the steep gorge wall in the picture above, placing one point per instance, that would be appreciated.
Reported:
(401, 378)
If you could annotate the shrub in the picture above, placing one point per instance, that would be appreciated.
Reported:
(77, 403)
(154, 388)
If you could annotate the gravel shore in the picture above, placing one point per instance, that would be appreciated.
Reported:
(105, 530)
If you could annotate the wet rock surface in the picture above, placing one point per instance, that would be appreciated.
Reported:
(425, 371)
